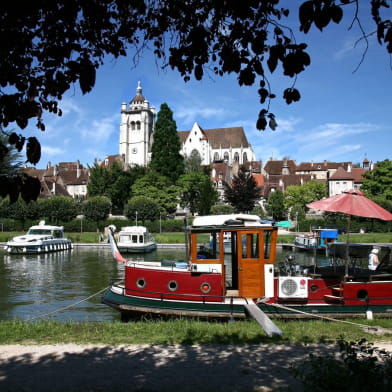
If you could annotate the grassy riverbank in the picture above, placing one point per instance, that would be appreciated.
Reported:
(179, 238)
(184, 331)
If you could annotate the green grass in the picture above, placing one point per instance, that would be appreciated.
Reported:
(184, 331)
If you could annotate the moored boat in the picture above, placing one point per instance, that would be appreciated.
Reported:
(316, 240)
(212, 284)
(40, 238)
(135, 239)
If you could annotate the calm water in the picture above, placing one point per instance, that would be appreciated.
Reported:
(33, 285)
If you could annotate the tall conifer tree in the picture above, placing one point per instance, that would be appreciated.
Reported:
(166, 158)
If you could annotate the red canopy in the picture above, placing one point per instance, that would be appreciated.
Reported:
(352, 203)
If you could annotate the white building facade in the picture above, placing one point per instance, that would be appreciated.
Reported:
(229, 145)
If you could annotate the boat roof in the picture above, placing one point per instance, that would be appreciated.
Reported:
(133, 229)
(227, 221)
(42, 225)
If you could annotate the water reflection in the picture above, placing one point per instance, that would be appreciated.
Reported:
(34, 285)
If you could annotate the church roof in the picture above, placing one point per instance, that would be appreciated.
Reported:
(139, 96)
(222, 137)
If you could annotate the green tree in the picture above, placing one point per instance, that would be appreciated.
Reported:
(222, 209)
(11, 162)
(114, 183)
(96, 208)
(142, 208)
(22, 211)
(193, 162)
(275, 205)
(58, 209)
(300, 195)
(158, 188)
(197, 192)
(243, 192)
(99, 181)
(165, 152)
(49, 46)
(378, 182)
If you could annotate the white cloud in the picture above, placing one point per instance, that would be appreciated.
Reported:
(100, 131)
(196, 114)
(51, 151)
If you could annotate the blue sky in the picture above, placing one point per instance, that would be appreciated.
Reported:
(342, 116)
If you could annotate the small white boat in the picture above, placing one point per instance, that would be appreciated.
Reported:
(40, 238)
(135, 239)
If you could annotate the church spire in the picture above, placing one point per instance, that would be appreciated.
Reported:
(139, 88)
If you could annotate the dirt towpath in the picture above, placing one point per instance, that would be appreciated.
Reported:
(72, 367)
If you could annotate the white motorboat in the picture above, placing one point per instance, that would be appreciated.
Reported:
(40, 238)
(135, 239)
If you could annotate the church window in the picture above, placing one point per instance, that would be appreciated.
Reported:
(226, 156)
(245, 157)
(138, 125)
(216, 156)
(133, 125)
(236, 157)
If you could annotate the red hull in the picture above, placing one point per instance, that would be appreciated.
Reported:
(184, 285)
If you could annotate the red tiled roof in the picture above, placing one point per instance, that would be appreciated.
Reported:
(341, 174)
(259, 178)
(274, 168)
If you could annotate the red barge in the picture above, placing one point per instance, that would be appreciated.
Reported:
(247, 281)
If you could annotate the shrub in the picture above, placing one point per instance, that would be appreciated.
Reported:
(361, 367)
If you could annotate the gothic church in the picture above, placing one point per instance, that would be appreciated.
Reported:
(137, 132)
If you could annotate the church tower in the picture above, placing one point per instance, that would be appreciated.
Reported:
(136, 130)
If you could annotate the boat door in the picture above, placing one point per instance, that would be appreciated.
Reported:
(253, 253)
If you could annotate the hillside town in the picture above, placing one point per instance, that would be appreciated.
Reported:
(224, 150)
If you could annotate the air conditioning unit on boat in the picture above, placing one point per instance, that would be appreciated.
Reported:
(293, 287)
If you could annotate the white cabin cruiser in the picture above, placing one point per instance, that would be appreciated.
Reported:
(135, 239)
(40, 238)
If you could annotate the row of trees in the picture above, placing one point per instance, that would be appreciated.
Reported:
(57, 209)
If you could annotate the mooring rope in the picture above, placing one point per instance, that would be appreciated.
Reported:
(68, 306)
(368, 328)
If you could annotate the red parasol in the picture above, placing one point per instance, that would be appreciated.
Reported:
(352, 203)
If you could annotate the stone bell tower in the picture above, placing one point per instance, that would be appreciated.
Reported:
(136, 130)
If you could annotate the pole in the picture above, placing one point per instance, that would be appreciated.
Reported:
(136, 218)
(160, 223)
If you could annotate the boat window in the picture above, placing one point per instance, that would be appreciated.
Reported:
(141, 239)
(267, 244)
(134, 239)
(57, 234)
(39, 231)
(250, 246)
(208, 250)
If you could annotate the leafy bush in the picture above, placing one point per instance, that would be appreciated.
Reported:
(361, 367)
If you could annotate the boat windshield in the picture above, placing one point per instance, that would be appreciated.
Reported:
(40, 231)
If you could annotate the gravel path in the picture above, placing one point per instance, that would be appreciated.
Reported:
(182, 368)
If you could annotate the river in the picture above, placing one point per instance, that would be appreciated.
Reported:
(67, 286)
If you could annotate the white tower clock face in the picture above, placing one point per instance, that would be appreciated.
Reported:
(134, 150)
